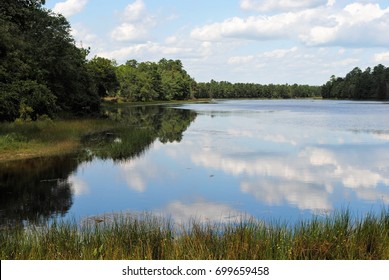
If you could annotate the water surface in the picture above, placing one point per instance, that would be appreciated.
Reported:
(269, 159)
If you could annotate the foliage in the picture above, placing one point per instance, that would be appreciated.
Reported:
(40, 66)
(225, 89)
(137, 127)
(147, 81)
(359, 85)
(102, 72)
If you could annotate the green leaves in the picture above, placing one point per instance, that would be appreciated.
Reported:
(359, 85)
(147, 81)
(41, 69)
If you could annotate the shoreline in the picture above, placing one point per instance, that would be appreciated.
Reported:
(339, 236)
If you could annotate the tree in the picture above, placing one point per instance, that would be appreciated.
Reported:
(127, 76)
(38, 54)
(359, 85)
(102, 72)
(146, 81)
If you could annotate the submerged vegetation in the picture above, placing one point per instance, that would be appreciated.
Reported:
(338, 236)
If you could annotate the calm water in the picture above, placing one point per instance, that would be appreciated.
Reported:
(270, 159)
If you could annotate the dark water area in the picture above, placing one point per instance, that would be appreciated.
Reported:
(271, 160)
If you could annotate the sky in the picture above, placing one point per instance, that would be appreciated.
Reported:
(256, 41)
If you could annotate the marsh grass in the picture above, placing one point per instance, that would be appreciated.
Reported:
(21, 140)
(339, 236)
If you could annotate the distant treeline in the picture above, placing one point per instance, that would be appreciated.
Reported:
(369, 84)
(167, 80)
(224, 89)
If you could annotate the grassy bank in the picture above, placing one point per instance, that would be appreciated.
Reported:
(45, 137)
(339, 236)
(22, 140)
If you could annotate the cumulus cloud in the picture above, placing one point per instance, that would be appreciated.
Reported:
(357, 24)
(261, 27)
(304, 196)
(240, 59)
(134, 11)
(142, 49)
(381, 57)
(137, 174)
(129, 32)
(136, 24)
(78, 186)
(280, 5)
(70, 7)
(201, 211)
(305, 179)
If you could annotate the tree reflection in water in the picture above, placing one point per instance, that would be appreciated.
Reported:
(36, 190)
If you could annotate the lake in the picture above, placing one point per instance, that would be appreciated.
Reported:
(281, 160)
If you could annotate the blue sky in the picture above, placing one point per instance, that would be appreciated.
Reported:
(259, 41)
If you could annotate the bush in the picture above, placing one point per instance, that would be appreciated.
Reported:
(27, 100)
(9, 105)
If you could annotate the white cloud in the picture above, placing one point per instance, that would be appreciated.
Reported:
(135, 11)
(202, 212)
(78, 186)
(381, 57)
(280, 5)
(129, 32)
(261, 27)
(138, 173)
(84, 37)
(279, 53)
(359, 178)
(304, 196)
(344, 62)
(150, 49)
(136, 24)
(70, 7)
(240, 59)
(305, 179)
(357, 24)
(373, 196)
(331, 3)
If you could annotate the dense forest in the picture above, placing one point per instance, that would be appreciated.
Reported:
(147, 81)
(43, 73)
(369, 84)
(224, 89)
(41, 69)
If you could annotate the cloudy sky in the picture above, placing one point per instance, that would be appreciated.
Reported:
(260, 41)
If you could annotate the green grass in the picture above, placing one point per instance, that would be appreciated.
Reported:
(21, 140)
(339, 236)
(46, 137)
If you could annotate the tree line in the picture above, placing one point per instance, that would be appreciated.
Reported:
(225, 89)
(358, 84)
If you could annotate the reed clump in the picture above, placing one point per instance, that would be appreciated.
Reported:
(338, 236)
